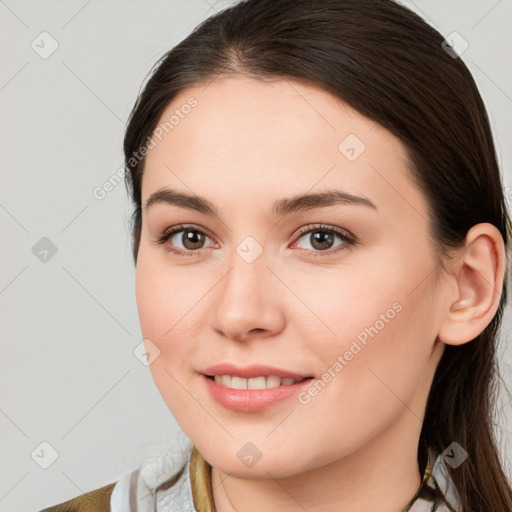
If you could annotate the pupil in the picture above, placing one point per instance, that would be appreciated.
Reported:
(321, 237)
(192, 237)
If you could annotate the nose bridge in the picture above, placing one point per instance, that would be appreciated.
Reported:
(244, 300)
(247, 273)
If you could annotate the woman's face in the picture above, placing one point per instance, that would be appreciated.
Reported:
(260, 283)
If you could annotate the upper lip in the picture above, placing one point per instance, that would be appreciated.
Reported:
(251, 371)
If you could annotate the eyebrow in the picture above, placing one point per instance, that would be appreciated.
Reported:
(281, 207)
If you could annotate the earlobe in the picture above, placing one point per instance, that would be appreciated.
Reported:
(478, 276)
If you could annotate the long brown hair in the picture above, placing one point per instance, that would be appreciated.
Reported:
(391, 66)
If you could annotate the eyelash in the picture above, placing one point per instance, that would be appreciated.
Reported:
(349, 240)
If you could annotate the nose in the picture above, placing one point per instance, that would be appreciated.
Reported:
(248, 301)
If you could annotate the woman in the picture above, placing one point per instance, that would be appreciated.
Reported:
(320, 238)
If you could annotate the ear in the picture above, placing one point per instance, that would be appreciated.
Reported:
(477, 276)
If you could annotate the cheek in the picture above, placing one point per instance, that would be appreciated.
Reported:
(165, 303)
(375, 362)
(372, 329)
(166, 315)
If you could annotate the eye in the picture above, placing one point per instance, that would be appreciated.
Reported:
(321, 238)
(191, 238)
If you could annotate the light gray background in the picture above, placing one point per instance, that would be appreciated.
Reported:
(69, 326)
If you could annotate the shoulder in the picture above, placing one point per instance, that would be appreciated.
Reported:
(97, 500)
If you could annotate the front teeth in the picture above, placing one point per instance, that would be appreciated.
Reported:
(255, 383)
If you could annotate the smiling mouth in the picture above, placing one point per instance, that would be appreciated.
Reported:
(262, 382)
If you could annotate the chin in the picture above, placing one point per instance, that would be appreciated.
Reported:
(238, 465)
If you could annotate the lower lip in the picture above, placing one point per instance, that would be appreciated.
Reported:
(251, 400)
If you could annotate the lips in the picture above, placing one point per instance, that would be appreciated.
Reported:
(252, 371)
(252, 400)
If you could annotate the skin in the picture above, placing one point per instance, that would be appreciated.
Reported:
(353, 447)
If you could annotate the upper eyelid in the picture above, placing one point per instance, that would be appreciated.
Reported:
(322, 226)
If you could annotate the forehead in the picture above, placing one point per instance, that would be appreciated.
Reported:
(266, 140)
